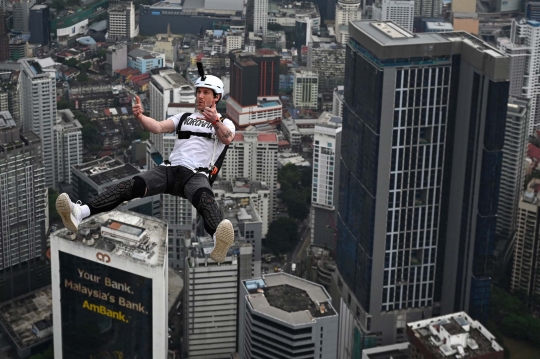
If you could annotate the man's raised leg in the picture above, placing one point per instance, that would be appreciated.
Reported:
(73, 213)
(221, 229)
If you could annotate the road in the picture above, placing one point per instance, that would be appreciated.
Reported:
(296, 255)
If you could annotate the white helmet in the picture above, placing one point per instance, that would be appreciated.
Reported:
(211, 82)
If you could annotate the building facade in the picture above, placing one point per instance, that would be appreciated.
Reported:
(305, 88)
(399, 11)
(429, 8)
(116, 58)
(253, 155)
(346, 10)
(40, 24)
(21, 14)
(69, 145)
(404, 171)
(144, 60)
(211, 299)
(38, 110)
(283, 316)
(108, 285)
(328, 61)
(324, 197)
(260, 17)
(121, 24)
(23, 211)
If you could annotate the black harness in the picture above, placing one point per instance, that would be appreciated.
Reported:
(184, 135)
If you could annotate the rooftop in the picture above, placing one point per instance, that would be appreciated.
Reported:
(129, 235)
(395, 351)
(19, 315)
(106, 170)
(230, 5)
(6, 121)
(453, 334)
(289, 299)
(238, 210)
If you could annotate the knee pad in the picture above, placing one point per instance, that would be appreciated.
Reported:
(113, 197)
(206, 205)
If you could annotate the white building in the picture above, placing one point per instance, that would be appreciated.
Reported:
(38, 109)
(305, 88)
(233, 42)
(325, 181)
(399, 11)
(69, 145)
(21, 14)
(283, 316)
(337, 101)
(267, 109)
(260, 17)
(121, 24)
(168, 87)
(523, 47)
(428, 8)
(253, 155)
(512, 170)
(110, 279)
(211, 299)
(346, 10)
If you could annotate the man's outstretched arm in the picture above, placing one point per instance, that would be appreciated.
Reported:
(149, 123)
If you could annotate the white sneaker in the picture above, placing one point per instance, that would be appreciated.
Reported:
(224, 240)
(70, 212)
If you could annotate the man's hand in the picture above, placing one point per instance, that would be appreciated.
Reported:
(137, 109)
(210, 114)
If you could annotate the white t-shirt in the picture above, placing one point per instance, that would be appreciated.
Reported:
(196, 151)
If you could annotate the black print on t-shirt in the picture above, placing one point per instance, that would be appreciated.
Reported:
(198, 123)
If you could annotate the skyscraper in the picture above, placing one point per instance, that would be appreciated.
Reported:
(121, 24)
(109, 284)
(305, 88)
(324, 197)
(406, 171)
(40, 24)
(211, 299)
(4, 37)
(428, 8)
(399, 11)
(260, 17)
(23, 213)
(283, 316)
(69, 145)
(21, 14)
(346, 10)
(38, 109)
(512, 171)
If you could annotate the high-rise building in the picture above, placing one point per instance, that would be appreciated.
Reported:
(283, 316)
(116, 58)
(399, 11)
(40, 24)
(337, 106)
(454, 334)
(4, 37)
(346, 10)
(253, 155)
(211, 299)
(512, 171)
(23, 211)
(21, 15)
(305, 88)
(92, 178)
(38, 109)
(532, 10)
(121, 24)
(254, 88)
(9, 94)
(523, 49)
(524, 273)
(429, 8)
(260, 17)
(167, 87)
(328, 61)
(416, 202)
(68, 138)
(109, 284)
(324, 197)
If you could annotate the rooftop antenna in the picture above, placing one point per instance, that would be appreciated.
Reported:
(201, 71)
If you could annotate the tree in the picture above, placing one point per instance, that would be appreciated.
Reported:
(82, 77)
(85, 65)
(71, 62)
(63, 104)
(275, 27)
(102, 53)
(282, 235)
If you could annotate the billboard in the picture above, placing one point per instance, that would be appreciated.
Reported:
(106, 312)
(509, 5)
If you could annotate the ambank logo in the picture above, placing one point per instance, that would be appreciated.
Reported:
(103, 257)
(101, 309)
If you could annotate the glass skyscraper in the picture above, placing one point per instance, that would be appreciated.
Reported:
(423, 129)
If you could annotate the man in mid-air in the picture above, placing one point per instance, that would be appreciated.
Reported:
(203, 138)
